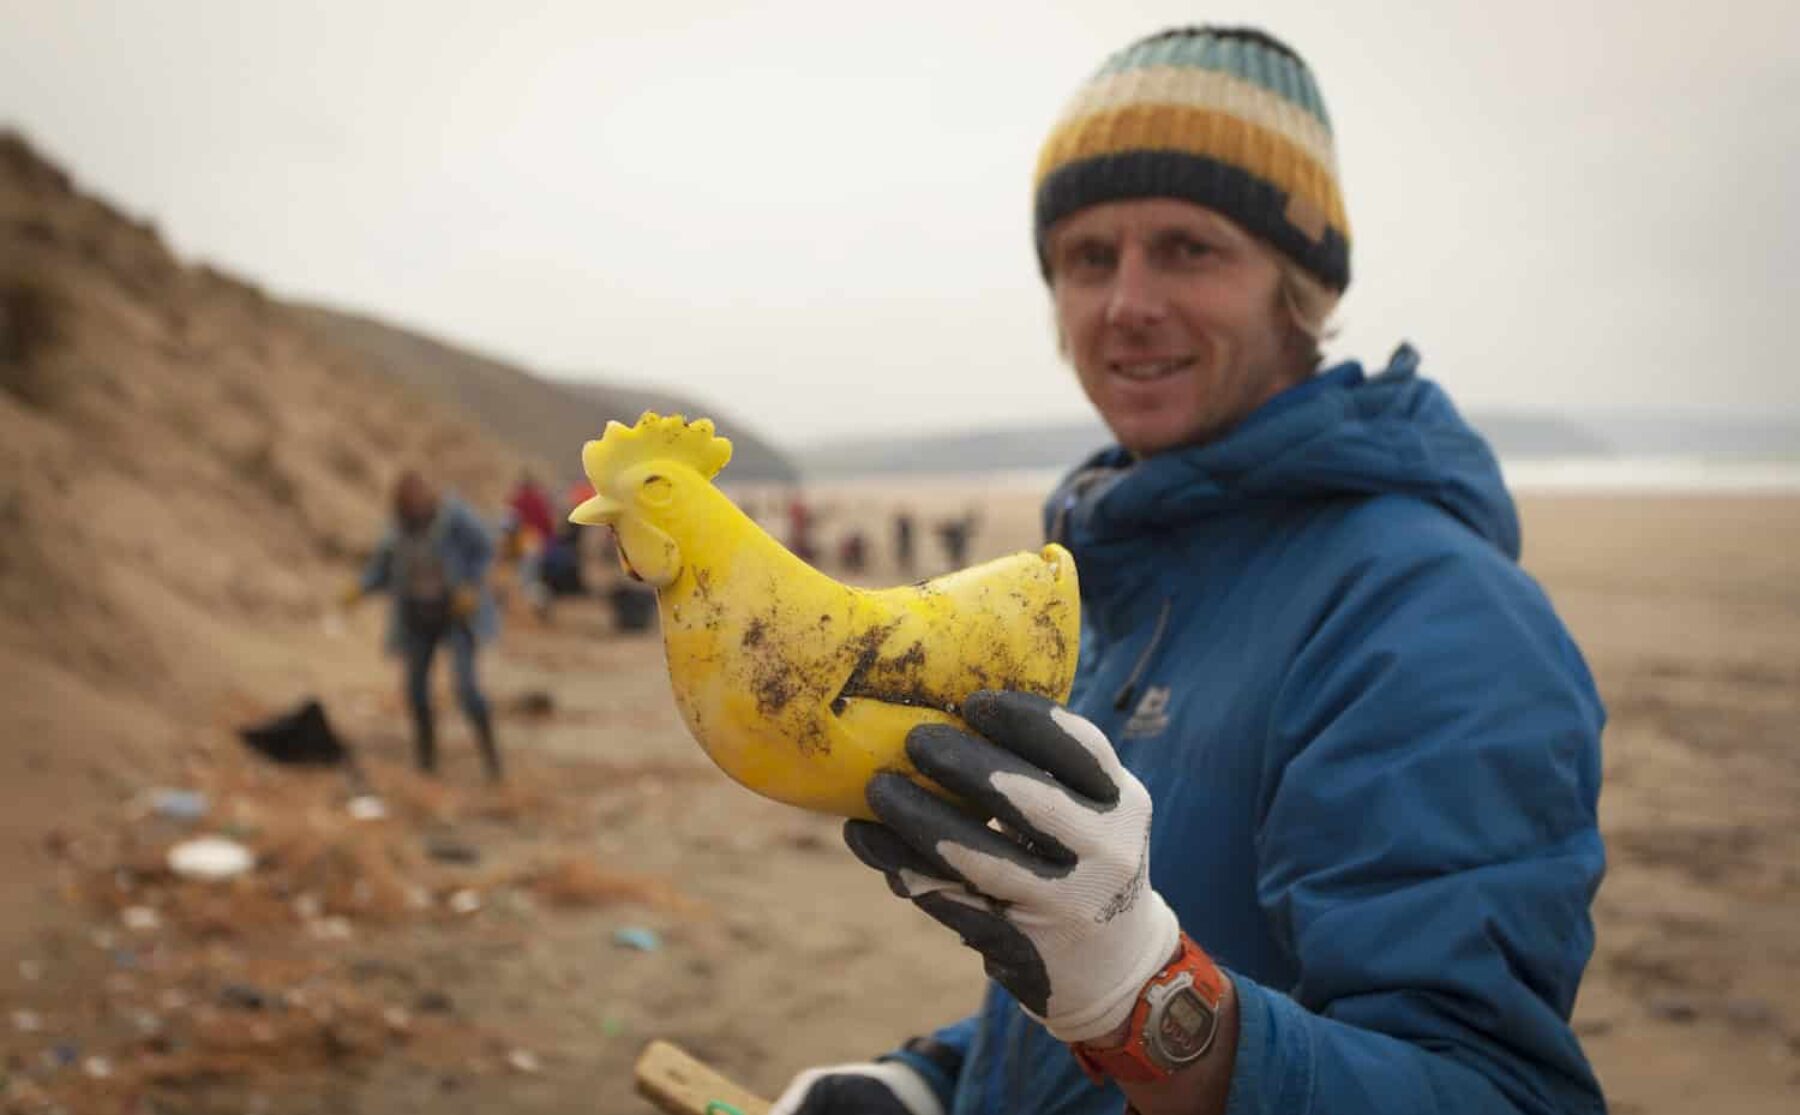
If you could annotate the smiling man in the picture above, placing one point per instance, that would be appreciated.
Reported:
(1316, 831)
(1175, 319)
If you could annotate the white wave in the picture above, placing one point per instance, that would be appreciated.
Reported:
(1653, 474)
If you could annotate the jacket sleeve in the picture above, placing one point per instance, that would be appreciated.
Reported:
(957, 1036)
(1427, 851)
(474, 543)
(379, 569)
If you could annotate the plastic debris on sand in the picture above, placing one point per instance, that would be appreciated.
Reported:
(637, 937)
(212, 858)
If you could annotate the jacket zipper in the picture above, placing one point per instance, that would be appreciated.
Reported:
(1122, 699)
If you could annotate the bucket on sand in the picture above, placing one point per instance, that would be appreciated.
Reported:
(633, 606)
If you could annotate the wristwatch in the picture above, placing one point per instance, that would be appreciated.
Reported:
(1172, 1024)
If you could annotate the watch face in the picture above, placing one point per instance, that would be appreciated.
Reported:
(1184, 1028)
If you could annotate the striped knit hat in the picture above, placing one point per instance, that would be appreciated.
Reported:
(1224, 117)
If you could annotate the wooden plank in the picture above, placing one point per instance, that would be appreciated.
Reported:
(679, 1084)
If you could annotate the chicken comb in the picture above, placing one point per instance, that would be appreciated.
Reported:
(654, 436)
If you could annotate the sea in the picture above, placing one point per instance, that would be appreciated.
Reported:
(1648, 475)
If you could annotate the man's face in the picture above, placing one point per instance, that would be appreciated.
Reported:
(1171, 315)
(417, 503)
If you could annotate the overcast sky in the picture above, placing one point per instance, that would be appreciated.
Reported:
(816, 215)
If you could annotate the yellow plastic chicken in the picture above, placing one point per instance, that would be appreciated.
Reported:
(799, 687)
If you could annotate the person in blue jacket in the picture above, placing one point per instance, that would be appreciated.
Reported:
(433, 564)
(1316, 831)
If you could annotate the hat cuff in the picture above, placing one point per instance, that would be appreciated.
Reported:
(1252, 202)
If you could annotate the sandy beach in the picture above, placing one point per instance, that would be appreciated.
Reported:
(773, 949)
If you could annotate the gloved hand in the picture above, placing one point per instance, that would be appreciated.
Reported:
(868, 1088)
(465, 600)
(1059, 904)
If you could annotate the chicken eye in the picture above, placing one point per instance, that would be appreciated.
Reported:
(656, 491)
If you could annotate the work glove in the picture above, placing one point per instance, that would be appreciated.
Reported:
(465, 600)
(1058, 900)
(868, 1088)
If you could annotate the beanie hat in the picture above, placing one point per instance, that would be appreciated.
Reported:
(1224, 117)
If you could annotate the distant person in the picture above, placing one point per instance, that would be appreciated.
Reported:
(1316, 830)
(577, 494)
(433, 564)
(569, 534)
(530, 506)
(903, 542)
(955, 534)
(853, 551)
(632, 602)
(560, 567)
(531, 531)
(800, 529)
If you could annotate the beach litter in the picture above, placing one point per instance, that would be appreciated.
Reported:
(331, 929)
(637, 937)
(367, 807)
(227, 952)
(141, 919)
(537, 703)
(210, 858)
(300, 737)
(243, 996)
(434, 1002)
(178, 805)
(446, 849)
(1673, 1008)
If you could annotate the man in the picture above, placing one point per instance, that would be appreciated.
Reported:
(903, 542)
(433, 562)
(955, 533)
(530, 506)
(1372, 749)
(531, 534)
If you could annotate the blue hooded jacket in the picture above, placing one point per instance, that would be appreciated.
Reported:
(1373, 751)
(466, 547)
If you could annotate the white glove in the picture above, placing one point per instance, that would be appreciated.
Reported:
(866, 1088)
(1057, 899)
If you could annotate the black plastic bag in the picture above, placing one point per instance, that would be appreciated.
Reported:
(302, 737)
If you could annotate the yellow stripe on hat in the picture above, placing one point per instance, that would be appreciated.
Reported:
(1187, 86)
(1224, 136)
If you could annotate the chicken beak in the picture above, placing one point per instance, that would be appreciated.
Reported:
(597, 511)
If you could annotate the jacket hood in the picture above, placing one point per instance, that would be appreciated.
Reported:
(1341, 433)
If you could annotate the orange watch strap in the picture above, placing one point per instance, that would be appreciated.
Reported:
(1131, 1063)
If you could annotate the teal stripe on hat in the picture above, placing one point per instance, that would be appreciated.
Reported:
(1229, 52)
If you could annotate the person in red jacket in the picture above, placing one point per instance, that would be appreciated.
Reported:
(530, 506)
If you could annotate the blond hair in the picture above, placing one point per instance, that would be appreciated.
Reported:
(1309, 303)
